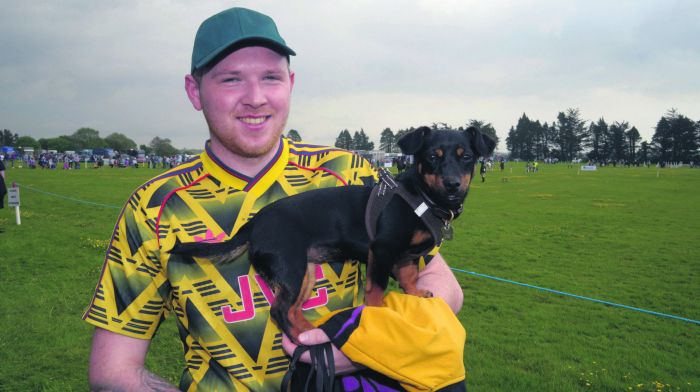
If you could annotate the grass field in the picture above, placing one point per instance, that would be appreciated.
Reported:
(625, 235)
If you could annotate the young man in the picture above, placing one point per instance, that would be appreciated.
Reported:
(241, 81)
(3, 188)
(482, 170)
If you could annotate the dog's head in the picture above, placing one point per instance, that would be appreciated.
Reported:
(445, 160)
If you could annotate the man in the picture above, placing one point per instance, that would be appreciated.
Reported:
(3, 188)
(240, 79)
(482, 170)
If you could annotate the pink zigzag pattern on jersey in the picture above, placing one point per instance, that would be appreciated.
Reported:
(210, 237)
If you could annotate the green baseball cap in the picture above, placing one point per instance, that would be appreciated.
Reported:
(239, 27)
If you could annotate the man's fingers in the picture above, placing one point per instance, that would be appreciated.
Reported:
(288, 345)
(313, 336)
(308, 338)
(343, 365)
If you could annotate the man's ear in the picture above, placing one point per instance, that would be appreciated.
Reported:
(412, 142)
(480, 143)
(192, 89)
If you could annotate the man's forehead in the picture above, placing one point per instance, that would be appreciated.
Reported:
(248, 57)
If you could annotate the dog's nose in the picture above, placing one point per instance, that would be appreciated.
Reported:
(451, 184)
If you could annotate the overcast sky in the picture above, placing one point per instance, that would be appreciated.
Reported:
(119, 66)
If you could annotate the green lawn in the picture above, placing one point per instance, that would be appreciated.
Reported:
(624, 235)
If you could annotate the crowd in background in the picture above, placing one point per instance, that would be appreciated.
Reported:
(58, 160)
(64, 161)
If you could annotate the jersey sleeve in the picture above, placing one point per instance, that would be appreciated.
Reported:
(424, 260)
(356, 170)
(131, 294)
(367, 174)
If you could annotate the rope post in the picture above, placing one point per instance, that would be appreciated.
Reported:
(13, 201)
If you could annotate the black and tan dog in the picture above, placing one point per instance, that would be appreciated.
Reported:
(388, 226)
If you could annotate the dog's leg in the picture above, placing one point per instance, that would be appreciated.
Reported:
(407, 276)
(292, 281)
(381, 258)
(297, 322)
(406, 273)
(374, 294)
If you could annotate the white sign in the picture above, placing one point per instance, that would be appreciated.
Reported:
(13, 197)
(589, 167)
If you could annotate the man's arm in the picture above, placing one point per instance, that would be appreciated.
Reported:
(439, 279)
(117, 364)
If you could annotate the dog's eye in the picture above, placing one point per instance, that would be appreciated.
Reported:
(467, 158)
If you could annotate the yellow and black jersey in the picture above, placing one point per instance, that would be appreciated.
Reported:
(222, 311)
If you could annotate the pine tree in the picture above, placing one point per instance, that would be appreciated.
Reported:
(344, 140)
(632, 140)
(386, 141)
(294, 135)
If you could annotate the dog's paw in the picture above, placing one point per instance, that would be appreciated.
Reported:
(420, 293)
(374, 297)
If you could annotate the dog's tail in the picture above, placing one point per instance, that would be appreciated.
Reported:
(218, 252)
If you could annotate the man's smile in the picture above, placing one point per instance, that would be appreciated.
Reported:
(254, 120)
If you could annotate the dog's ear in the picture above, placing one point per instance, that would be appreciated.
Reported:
(412, 142)
(481, 143)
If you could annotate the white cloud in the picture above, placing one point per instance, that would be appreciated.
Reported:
(119, 66)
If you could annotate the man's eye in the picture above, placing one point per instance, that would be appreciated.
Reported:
(231, 80)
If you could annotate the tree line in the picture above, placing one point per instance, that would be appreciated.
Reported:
(88, 138)
(676, 139)
(359, 141)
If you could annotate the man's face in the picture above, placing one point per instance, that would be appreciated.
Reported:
(245, 99)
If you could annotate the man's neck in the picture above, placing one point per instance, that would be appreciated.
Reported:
(248, 166)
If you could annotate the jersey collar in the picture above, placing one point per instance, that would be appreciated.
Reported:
(258, 183)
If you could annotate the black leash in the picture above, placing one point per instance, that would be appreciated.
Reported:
(321, 369)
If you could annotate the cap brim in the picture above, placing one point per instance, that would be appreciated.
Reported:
(231, 47)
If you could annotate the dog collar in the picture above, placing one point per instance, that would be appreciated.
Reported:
(442, 213)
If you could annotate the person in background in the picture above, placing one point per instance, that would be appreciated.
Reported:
(3, 187)
(482, 170)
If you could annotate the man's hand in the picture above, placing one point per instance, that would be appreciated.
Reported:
(343, 364)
